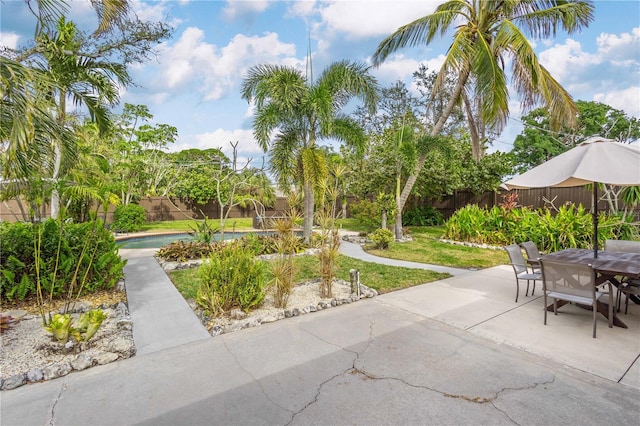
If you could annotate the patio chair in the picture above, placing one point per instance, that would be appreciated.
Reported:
(521, 269)
(622, 246)
(533, 255)
(572, 282)
(629, 286)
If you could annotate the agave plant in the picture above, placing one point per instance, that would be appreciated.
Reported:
(88, 325)
(60, 327)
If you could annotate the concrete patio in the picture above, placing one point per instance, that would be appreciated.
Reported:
(455, 351)
(482, 303)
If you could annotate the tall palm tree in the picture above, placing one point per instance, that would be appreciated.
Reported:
(84, 80)
(301, 111)
(487, 34)
(28, 126)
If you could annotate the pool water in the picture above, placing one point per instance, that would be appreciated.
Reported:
(157, 241)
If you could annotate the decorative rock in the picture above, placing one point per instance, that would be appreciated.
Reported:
(334, 302)
(238, 314)
(82, 362)
(105, 357)
(312, 308)
(125, 324)
(268, 319)
(54, 371)
(216, 330)
(287, 313)
(123, 346)
(34, 375)
(121, 310)
(13, 382)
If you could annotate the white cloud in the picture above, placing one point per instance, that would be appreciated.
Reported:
(192, 62)
(236, 8)
(9, 40)
(301, 8)
(627, 100)
(220, 138)
(359, 19)
(610, 75)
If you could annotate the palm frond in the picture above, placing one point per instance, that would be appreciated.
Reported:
(422, 31)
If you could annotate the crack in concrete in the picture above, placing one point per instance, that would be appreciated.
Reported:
(351, 370)
(266, 395)
(55, 402)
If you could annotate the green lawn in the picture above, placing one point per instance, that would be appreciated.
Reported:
(242, 224)
(380, 277)
(425, 248)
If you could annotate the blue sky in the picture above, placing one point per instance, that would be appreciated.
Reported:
(193, 83)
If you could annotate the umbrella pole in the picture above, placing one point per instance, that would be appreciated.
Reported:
(595, 220)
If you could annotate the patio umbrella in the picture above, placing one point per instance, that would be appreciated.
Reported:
(596, 160)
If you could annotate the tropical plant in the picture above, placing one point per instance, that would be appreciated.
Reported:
(304, 111)
(88, 325)
(282, 267)
(85, 80)
(60, 327)
(231, 278)
(485, 34)
(129, 217)
(382, 238)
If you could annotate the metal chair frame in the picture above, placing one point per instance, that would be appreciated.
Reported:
(521, 269)
(572, 282)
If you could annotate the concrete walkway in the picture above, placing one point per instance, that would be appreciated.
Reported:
(355, 250)
(457, 351)
(162, 318)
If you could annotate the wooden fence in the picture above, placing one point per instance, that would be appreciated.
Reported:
(164, 209)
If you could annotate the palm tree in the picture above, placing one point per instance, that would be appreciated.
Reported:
(301, 112)
(84, 80)
(486, 34)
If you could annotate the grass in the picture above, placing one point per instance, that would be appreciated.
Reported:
(379, 277)
(425, 248)
(241, 224)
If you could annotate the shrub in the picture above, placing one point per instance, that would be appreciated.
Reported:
(422, 216)
(382, 238)
(181, 251)
(83, 255)
(367, 213)
(570, 226)
(231, 278)
(129, 217)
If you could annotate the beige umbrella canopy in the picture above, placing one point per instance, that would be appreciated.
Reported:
(596, 160)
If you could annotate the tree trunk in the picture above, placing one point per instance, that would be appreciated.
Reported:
(476, 147)
(398, 225)
(308, 212)
(383, 219)
(411, 180)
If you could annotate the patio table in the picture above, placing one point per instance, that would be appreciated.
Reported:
(607, 266)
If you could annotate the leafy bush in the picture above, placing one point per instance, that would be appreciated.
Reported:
(83, 255)
(129, 217)
(570, 226)
(422, 216)
(180, 251)
(231, 278)
(204, 232)
(367, 213)
(382, 238)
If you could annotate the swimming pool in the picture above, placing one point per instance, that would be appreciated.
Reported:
(157, 241)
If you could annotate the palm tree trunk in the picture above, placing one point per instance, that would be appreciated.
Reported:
(411, 180)
(309, 201)
(476, 149)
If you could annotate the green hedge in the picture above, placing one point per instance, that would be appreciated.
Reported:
(62, 249)
(129, 217)
(570, 226)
